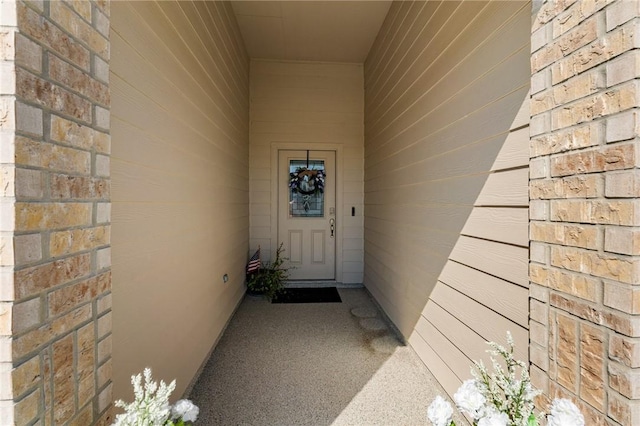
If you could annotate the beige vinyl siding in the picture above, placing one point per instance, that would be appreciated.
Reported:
(446, 174)
(307, 105)
(180, 190)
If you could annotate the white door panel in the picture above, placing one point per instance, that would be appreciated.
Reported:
(306, 214)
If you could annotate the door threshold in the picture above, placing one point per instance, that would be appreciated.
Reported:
(319, 284)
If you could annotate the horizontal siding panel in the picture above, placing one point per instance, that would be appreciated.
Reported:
(353, 186)
(196, 56)
(514, 152)
(354, 233)
(501, 224)
(418, 243)
(159, 156)
(352, 244)
(415, 17)
(261, 221)
(452, 217)
(419, 75)
(441, 371)
(349, 72)
(353, 154)
(499, 295)
(446, 240)
(149, 186)
(144, 113)
(487, 323)
(203, 53)
(387, 32)
(257, 155)
(260, 185)
(457, 68)
(461, 191)
(434, 137)
(264, 83)
(446, 23)
(355, 199)
(508, 188)
(157, 55)
(395, 269)
(138, 223)
(523, 116)
(456, 360)
(353, 175)
(411, 213)
(449, 106)
(473, 345)
(308, 132)
(258, 242)
(260, 196)
(225, 54)
(352, 277)
(267, 114)
(353, 267)
(180, 150)
(229, 35)
(353, 256)
(262, 209)
(261, 232)
(504, 261)
(461, 162)
(353, 222)
(308, 100)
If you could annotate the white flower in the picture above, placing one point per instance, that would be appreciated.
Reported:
(440, 412)
(565, 413)
(494, 418)
(503, 396)
(530, 392)
(151, 403)
(469, 399)
(186, 410)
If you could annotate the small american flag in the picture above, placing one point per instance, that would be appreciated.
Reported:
(254, 262)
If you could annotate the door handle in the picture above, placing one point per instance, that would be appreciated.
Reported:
(332, 226)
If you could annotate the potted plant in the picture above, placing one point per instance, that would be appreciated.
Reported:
(270, 278)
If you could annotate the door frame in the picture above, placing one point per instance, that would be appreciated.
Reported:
(339, 188)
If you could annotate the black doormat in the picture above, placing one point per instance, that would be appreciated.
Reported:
(308, 295)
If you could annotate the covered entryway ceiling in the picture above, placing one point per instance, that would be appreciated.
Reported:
(327, 31)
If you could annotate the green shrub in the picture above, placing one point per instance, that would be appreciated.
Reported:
(270, 279)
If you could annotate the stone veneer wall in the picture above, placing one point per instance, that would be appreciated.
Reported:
(55, 368)
(584, 210)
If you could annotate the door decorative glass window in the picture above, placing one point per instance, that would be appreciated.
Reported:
(306, 183)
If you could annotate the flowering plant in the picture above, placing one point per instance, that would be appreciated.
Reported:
(151, 405)
(502, 397)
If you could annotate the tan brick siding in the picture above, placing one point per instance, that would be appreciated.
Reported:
(9, 312)
(584, 209)
(61, 302)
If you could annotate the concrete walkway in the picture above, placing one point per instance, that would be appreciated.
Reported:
(313, 364)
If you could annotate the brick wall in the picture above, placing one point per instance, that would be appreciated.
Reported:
(584, 209)
(57, 211)
(8, 24)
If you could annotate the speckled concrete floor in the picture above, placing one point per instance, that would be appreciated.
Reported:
(313, 364)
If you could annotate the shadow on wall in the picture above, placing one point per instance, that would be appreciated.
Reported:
(446, 178)
(482, 291)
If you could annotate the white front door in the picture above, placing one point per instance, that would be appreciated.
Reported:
(307, 212)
